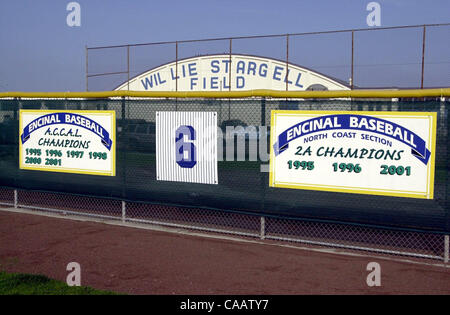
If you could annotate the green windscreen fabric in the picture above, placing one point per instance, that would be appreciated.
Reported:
(243, 183)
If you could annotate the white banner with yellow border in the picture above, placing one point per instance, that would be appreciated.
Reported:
(70, 141)
(377, 153)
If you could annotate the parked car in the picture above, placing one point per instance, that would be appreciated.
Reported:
(140, 136)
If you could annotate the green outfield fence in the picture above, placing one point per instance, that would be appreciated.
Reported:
(242, 203)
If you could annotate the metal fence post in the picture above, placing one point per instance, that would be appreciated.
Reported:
(124, 211)
(446, 249)
(124, 146)
(229, 64)
(176, 74)
(176, 66)
(15, 198)
(87, 69)
(16, 144)
(447, 182)
(287, 62)
(128, 67)
(263, 175)
(262, 234)
(352, 79)
(423, 55)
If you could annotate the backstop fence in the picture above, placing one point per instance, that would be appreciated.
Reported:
(412, 56)
(242, 203)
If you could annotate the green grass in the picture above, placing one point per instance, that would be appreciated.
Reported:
(26, 284)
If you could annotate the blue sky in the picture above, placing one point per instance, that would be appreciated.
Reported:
(40, 52)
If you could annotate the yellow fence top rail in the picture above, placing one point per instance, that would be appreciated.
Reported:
(413, 93)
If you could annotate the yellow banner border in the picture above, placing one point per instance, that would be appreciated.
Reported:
(112, 115)
(429, 194)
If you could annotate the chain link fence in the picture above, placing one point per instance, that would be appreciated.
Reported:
(412, 56)
(242, 203)
(424, 245)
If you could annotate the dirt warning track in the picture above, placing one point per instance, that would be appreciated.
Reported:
(142, 261)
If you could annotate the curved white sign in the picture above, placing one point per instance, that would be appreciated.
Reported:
(212, 73)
